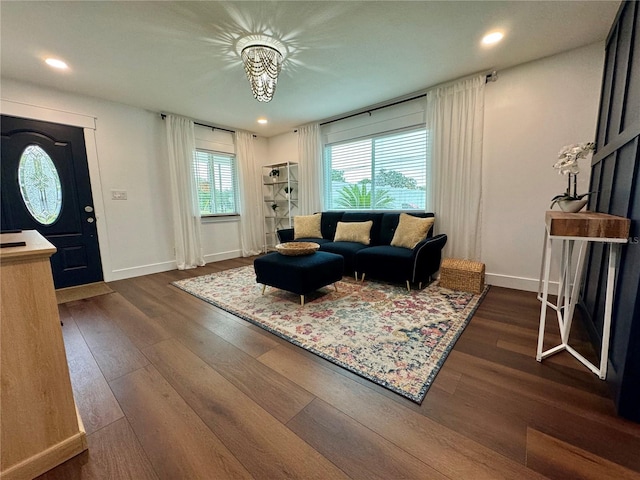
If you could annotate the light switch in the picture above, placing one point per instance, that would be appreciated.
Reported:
(118, 194)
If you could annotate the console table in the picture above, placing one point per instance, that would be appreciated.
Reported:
(39, 426)
(571, 229)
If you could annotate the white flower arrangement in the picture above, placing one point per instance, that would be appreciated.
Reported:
(567, 164)
(569, 155)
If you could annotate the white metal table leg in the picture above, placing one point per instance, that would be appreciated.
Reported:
(575, 294)
(614, 250)
(542, 264)
(564, 298)
(544, 256)
(545, 295)
(583, 228)
(601, 371)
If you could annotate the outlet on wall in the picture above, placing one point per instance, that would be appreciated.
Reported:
(118, 194)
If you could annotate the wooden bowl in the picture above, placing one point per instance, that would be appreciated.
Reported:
(296, 249)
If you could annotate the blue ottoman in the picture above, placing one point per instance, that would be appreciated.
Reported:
(301, 275)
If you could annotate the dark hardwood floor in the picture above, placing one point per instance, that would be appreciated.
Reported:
(171, 387)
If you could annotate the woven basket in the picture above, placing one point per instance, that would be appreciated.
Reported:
(296, 249)
(465, 275)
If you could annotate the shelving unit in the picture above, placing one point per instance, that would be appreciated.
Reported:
(280, 195)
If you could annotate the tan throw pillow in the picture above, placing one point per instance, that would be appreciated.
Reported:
(359, 232)
(307, 226)
(411, 230)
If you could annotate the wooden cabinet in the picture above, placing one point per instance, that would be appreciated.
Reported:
(280, 194)
(39, 424)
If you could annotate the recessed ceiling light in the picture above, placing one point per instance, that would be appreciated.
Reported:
(263, 121)
(493, 37)
(56, 63)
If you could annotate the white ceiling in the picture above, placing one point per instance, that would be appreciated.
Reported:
(179, 57)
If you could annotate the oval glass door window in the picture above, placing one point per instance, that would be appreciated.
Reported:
(40, 185)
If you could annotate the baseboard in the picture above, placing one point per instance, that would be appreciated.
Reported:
(517, 283)
(46, 460)
(141, 270)
(217, 257)
(138, 271)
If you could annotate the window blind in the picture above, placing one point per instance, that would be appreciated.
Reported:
(382, 172)
(216, 182)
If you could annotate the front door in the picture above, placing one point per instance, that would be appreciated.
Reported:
(45, 187)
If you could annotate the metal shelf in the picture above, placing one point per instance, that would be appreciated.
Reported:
(278, 193)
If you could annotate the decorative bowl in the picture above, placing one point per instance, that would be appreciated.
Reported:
(296, 249)
(572, 206)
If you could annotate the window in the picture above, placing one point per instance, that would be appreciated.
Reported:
(40, 185)
(382, 172)
(216, 183)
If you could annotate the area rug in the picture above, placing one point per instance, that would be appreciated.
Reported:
(395, 338)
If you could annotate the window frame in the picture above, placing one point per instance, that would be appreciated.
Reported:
(218, 216)
(327, 171)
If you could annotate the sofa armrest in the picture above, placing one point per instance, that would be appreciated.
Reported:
(285, 235)
(431, 244)
(427, 255)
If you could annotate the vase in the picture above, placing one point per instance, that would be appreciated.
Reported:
(572, 206)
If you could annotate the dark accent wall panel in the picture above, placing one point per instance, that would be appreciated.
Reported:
(615, 179)
(631, 114)
(605, 97)
(619, 80)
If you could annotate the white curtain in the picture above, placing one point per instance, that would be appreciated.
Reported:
(181, 147)
(310, 170)
(454, 117)
(250, 189)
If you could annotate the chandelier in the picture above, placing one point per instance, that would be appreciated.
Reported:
(262, 57)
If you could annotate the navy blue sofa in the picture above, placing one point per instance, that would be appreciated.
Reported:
(379, 260)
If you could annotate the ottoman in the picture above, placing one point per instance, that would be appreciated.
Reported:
(465, 275)
(298, 274)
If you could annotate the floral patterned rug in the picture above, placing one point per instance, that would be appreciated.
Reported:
(395, 338)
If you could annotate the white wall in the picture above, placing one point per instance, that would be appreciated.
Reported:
(221, 235)
(531, 112)
(404, 115)
(282, 148)
(135, 235)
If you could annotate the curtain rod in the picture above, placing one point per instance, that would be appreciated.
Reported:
(490, 77)
(164, 115)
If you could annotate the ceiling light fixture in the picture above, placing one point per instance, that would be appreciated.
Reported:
(263, 121)
(262, 57)
(56, 63)
(492, 38)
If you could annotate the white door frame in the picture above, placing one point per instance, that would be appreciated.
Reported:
(88, 124)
